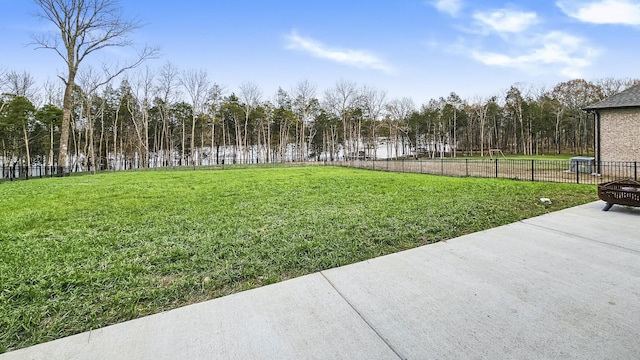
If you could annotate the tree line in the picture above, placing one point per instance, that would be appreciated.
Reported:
(168, 117)
(114, 118)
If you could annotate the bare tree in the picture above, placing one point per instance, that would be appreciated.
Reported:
(214, 104)
(399, 111)
(480, 109)
(266, 122)
(3, 81)
(304, 95)
(573, 95)
(21, 84)
(196, 83)
(340, 100)
(285, 118)
(250, 95)
(373, 104)
(52, 93)
(3, 78)
(611, 86)
(168, 84)
(456, 104)
(89, 81)
(142, 88)
(82, 28)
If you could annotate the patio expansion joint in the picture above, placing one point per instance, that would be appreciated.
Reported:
(378, 334)
(525, 222)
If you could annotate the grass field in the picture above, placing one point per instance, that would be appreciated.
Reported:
(84, 252)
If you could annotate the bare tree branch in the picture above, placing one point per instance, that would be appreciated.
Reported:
(196, 83)
(20, 84)
(83, 28)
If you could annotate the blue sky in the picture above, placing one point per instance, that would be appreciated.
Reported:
(416, 48)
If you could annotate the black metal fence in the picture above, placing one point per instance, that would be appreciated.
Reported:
(528, 170)
(14, 173)
(562, 171)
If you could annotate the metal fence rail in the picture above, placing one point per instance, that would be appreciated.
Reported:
(14, 173)
(527, 170)
(11, 173)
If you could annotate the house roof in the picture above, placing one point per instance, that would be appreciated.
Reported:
(625, 99)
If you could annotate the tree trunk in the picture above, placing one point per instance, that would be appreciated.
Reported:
(224, 143)
(145, 119)
(213, 135)
(26, 147)
(115, 142)
(102, 136)
(51, 147)
(192, 151)
(182, 158)
(91, 152)
(67, 106)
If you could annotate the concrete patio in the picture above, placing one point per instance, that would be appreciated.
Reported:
(560, 286)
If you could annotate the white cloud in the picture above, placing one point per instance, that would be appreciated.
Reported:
(624, 12)
(357, 58)
(556, 52)
(451, 7)
(506, 21)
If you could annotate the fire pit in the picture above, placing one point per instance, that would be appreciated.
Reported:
(620, 192)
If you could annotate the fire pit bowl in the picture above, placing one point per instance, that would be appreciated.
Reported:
(620, 192)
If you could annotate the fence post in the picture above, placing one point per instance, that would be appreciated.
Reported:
(496, 168)
(533, 169)
(403, 164)
(577, 173)
(466, 167)
(635, 170)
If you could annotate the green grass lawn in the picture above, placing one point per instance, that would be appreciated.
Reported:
(80, 253)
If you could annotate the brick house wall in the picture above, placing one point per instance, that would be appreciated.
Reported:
(620, 134)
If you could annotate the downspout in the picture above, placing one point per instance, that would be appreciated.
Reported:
(598, 140)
